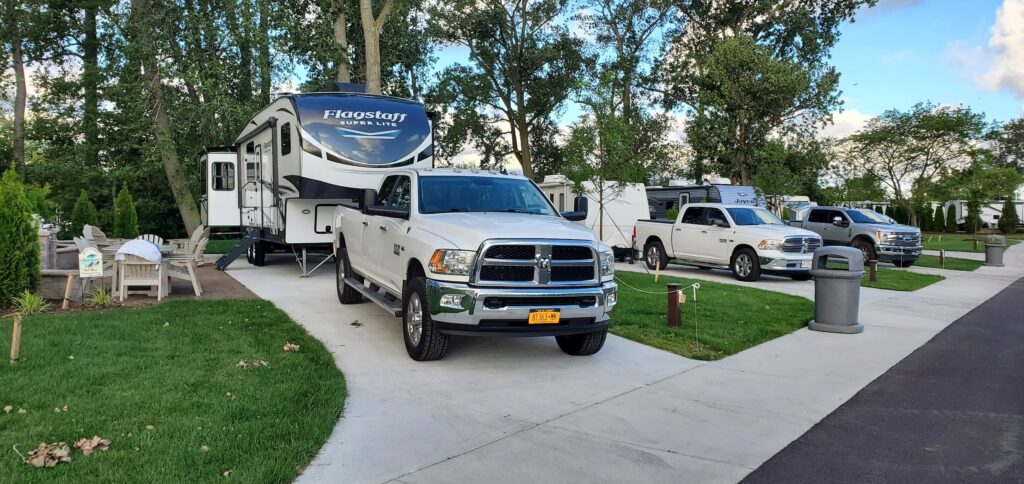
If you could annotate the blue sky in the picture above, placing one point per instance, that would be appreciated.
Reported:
(906, 51)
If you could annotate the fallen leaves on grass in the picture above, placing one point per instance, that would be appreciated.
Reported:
(204, 449)
(226, 473)
(252, 363)
(356, 323)
(49, 455)
(22, 411)
(291, 347)
(88, 446)
(150, 427)
(8, 408)
(59, 410)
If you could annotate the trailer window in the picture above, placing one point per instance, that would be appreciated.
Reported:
(223, 176)
(250, 162)
(561, 202)
(286, 138)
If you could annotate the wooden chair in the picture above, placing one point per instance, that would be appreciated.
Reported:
(185, 266)
(187, 246)
(95, 235)
(136, 271)
(156, 239)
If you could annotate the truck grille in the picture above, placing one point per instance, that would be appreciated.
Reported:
(540, 263)
(909, 239)
(801, 245)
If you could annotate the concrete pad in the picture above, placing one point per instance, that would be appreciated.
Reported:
(518, 410)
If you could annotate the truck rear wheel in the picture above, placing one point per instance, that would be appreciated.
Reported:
(654, 255)
(423, 340)
(343, 269)
(746, 266)
(582, 344)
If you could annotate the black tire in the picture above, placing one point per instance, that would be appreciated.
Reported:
(342, 269)
(432, 344)
(866, 248)
(582, 344)
(800, 276)
(904, 263)
(654, 255)
(745, 265)
(257, 254)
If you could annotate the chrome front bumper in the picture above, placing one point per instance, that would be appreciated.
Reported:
(887, 252)
(787, 263)
(463, 309)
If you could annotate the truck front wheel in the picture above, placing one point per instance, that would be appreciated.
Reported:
(866, 248)
(423, 340)
(654, 255)
(343, 269)
(582, 344)
(746, 266)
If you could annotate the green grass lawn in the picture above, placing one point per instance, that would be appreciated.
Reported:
(729, 318)
(161, 383)
(892, 279)
(952, 263)
(962, 242)
(220, 246)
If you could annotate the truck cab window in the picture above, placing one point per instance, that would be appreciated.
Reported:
(223, 176)
(693, 215)
(818, 216)
(286, 138)
(715, 214)
(401, 194)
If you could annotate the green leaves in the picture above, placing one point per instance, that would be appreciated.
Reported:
(19, 240)
(126, 220)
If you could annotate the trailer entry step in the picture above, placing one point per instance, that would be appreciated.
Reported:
(240, 248)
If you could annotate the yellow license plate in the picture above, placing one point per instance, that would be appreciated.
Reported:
(544, 316)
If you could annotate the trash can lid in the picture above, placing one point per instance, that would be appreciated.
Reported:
(854, 257)
(995, 240)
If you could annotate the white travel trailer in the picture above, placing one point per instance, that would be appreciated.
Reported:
(301, 156)
(623, 206)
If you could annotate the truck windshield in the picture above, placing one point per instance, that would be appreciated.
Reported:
(443, 194)
(753, 216)
(866, 217)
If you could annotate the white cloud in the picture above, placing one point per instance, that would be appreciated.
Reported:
(971, 59)
(1007, 50)
(845, 123)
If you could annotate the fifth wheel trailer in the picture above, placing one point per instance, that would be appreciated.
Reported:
(611, 221)
(300, 157)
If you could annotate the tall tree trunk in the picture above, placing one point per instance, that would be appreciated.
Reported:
(341, 38)
(90, 84)
(20, 97)
(161, 121)
(525, 156)
(265, 60)
(371, 35)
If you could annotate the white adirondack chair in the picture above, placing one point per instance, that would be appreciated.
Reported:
(156, 239)
(185, 266)
(187, 246)
(95, 235)
(136, 271)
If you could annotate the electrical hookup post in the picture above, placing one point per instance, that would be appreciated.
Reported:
(676, 298)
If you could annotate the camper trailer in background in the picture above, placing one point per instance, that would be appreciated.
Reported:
(303, 155)
(662, 199)
(990, 212)
(611, 221)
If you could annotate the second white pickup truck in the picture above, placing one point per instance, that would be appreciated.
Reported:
(471, 252)
(747, 239)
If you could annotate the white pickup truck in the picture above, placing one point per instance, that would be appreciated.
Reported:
(470, 252)
(747, 239)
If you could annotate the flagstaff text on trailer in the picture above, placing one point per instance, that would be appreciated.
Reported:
(360, 115)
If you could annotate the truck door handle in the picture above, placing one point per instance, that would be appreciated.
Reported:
(365, 223)
(679, 230)
(703, 231)
(384, 228)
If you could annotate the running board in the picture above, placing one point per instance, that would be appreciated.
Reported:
(375, 296)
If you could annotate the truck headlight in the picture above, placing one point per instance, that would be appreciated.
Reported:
(882, 236)
(451, 261)
(770, 244)
(606, 260)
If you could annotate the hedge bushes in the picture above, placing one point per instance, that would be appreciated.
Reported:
(951, 219)
(126, 219)
(939, 221)
(1009, 219)
(19, 241)
(83, 214)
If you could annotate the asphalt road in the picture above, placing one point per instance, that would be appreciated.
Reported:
(952, 411)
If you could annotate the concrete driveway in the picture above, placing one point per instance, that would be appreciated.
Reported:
(518, 410)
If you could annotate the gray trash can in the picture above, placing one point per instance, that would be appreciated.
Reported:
(837, 291)
(995, 245)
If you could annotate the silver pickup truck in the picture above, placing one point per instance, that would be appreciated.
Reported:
(877, 237)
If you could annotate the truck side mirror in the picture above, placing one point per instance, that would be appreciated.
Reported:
(369, 198)
(839, 222)
(580, 209)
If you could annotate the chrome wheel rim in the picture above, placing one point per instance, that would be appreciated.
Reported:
(652, 256)
(743, 265)
(414, 320)
(864, 252)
